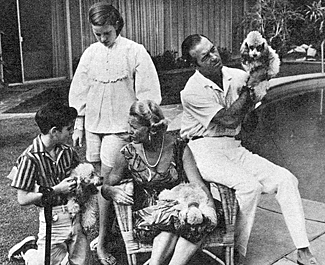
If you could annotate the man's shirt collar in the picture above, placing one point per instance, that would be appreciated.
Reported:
(226, 77)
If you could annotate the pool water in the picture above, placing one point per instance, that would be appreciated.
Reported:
(291, 133)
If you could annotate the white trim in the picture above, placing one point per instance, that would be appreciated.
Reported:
(39, 81)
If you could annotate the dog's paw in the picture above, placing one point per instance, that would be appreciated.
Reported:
(73, 207)
(194, 216)
(182, 216)
(210, 213)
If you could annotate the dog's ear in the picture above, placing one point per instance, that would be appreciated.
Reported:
(244, 48)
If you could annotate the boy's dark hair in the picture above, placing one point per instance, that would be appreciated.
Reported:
(102, 13)
(188, 44)
(55, 114)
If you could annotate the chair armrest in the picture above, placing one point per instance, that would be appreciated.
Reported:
(124, 212)
(125, 221)
(229, 204)
(224, 235)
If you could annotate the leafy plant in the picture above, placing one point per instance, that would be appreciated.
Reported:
(225, 55)
(275, 19)
(315, 14)
(166, 61)
(169, 60)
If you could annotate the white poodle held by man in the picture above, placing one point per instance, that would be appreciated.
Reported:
(260, 61)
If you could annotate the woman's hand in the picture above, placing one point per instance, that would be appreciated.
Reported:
(77, 137)
(117, 194)
(66, 186)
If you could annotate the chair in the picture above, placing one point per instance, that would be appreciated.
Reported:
(222, 236)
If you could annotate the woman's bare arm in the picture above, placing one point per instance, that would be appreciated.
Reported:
(193, 174)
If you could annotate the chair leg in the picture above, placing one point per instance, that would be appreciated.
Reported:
(132, 259)
(232, 251)
(229, 255)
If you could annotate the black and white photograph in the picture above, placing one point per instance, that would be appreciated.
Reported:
(162, 132)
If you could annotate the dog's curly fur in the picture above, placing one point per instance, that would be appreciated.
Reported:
(260, 61)
(85, 198)
(193, 203)
(257, 55)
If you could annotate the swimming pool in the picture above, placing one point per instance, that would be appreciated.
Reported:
(291, 131)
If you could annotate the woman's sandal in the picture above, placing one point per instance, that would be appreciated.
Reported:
(109, 260)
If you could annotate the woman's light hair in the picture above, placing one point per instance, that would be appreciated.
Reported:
(149, 114)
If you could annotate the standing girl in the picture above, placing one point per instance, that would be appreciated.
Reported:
(112, 74)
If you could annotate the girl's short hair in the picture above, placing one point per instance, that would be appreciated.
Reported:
(148, 113)
(102, 13)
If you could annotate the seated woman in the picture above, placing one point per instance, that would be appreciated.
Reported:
(151, 160)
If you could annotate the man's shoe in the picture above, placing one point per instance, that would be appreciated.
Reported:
(17, 251)
(306, 258)
(307, 261)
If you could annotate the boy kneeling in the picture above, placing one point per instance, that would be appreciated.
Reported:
(43, 171)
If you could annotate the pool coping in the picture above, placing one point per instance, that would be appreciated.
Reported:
(275, 82)
(293, 85)
(173, 112)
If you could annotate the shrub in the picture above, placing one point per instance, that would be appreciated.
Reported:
(168, 60)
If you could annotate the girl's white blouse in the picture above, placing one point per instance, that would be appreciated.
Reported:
(108, 80)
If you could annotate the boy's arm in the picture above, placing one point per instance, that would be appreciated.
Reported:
(68, 185)
(29, 197)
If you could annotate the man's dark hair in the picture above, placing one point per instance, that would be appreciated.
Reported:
(54, 114)
(102, 13)
(188, 44)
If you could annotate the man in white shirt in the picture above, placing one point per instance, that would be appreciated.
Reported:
(215, 101)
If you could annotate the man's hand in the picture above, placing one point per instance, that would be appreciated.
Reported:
(257, 77)
(259, 91)
(77, 137)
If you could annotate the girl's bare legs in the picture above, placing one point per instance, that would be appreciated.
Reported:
(106, 218)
